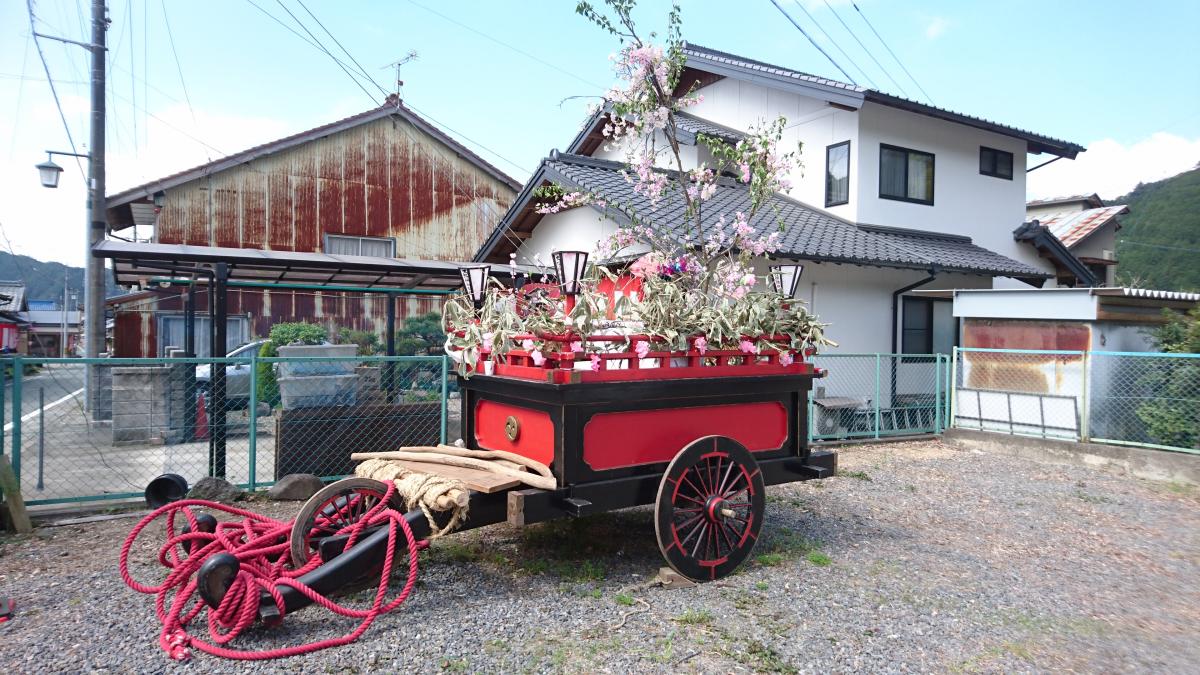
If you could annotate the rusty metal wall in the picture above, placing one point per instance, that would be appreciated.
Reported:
(136, 326)
(381, 179)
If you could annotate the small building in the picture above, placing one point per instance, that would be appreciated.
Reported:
(1086, 227)
(13, 337)
(382, 184)
(48, 326)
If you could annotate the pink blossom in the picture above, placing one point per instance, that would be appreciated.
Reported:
(538, 358)
(745, 172)
(577, 346)
(487, 341)
(595, 362)
(747, 347)
(785, 359)
(701, 345)
(527, 344)
(642, 348)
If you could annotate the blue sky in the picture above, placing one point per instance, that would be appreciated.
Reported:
(1121, 78)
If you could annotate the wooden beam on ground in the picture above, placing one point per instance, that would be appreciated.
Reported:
(12, 498)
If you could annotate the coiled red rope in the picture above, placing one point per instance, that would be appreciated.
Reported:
(261, 547)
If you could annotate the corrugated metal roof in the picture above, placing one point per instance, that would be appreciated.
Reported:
(724, 63)
(1093, 199)
(1147, 293)
(807, 233)
(1072, 227)
(12, 296)
(392, 107)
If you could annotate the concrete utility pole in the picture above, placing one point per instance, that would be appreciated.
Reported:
(62, 345)
(93, 299)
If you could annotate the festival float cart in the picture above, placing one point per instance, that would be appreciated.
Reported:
(556, 424)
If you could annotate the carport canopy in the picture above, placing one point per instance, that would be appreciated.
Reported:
(137, 263)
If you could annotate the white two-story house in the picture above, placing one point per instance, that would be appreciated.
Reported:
(893, 196)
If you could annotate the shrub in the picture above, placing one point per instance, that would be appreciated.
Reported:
(298, 333)
(367, 341)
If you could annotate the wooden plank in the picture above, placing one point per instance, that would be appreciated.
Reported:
(475, 479)
(13, 499)
(516, 505)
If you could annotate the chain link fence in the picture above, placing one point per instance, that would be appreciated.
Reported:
(153, 416)
(879, 395)
(1125, 398)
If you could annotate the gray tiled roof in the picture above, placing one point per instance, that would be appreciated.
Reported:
(692, 125)
(696, 51)
(12, 296)
(807, 233)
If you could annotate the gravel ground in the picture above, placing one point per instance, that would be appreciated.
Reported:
(918, 557)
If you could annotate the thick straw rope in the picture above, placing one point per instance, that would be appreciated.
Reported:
(421, 490)
(540, 477)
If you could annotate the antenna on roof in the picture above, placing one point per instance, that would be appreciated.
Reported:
(411, 56)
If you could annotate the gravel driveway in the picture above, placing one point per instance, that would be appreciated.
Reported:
(918, 557)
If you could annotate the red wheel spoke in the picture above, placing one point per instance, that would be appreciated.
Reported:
(725, 536)
(699, 492)
(694, 501)
(725, 478)
(703, 531)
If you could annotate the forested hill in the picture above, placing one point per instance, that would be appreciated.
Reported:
(44, 280)
(1159, 241)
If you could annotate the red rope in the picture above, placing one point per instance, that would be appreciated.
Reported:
(261, 547)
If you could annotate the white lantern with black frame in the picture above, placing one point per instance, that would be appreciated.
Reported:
(569, 266)
(785, 278)
(475, 282)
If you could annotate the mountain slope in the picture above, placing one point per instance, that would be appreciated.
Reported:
(44, 280)
(1159, 242)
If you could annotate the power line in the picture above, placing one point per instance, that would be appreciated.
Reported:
(12, 145)
(464, 137)
(328, 53)
(179, 69)
(889, 49)
(814, 42)
(53, 90)
(339, 44)
(835, 44)
(518, 50)
(293, 31)
(864, 47)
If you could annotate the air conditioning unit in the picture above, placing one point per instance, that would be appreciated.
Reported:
(1108, 255)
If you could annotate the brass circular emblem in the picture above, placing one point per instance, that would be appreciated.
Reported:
(512, 428)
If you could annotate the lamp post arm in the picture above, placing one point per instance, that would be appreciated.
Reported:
(69, 154)
(86, 45)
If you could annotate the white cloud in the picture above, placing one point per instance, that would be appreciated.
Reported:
(936, 27)
(1112, 169)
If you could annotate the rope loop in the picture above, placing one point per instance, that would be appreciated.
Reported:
(260, 545)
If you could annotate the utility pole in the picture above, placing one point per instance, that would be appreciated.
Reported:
(93, 298)
(62, 345)
(97, 228)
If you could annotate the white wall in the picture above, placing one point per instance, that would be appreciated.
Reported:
(1066, 304)
(810, 121)
(966, 202)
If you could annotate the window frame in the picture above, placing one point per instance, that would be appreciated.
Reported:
(359, 238)
(828, 148)
(907, 152)
(918, 356)
(997, 152)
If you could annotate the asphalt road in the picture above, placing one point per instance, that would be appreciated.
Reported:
(56, 380)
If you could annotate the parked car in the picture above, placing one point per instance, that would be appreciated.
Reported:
(237, 376)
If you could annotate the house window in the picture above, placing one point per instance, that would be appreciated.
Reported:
(377, 247)
(172, 333)
(928, 326)
(837, 174)
(906, 175)
(995, 163)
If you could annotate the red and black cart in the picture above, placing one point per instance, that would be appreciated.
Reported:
(699, 435)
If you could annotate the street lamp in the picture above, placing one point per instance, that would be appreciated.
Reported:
(49, 172)
(569, 267)
(475, 282)
(785, 278)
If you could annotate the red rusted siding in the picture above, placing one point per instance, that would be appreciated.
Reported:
(384, 179)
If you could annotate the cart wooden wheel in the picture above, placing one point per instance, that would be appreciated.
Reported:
(710, 508)
(333, 508)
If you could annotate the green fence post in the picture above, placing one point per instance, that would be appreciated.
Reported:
(1085, 412)
(937, 394)
(811, 395)
(953, 390)
(877, 364)
(445, 394)
(3, 412)
(18, 374)
(253, 439)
